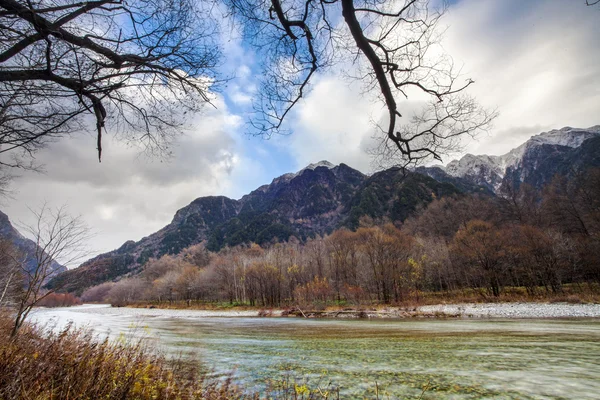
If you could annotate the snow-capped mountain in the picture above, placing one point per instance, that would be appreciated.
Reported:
(491, 171)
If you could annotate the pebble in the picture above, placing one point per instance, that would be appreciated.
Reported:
(516, 310)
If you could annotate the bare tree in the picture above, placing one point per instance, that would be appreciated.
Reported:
(397, 47)
(10, 273)
(137, 67)
(58, 236)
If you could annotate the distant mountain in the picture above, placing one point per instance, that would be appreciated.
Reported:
(314, 201)
(26, 246)
(535, 162)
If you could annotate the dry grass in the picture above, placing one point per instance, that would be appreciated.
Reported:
(71, 364)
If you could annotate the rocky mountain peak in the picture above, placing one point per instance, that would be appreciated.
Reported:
(567, 136)
(490, 171)
(322, 197)
(291, 175)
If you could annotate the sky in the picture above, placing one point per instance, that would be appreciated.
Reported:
(537, 62)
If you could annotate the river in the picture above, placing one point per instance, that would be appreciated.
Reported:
(441, 359)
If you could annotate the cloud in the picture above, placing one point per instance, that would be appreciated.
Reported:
(536, 62)
(334, 123)
(129, 195)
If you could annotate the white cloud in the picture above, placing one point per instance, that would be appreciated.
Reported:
(536, 61)
(334, 123)
(128, 195)
(239, 96)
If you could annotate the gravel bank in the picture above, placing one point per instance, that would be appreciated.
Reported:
(475, 310)
(515, 310)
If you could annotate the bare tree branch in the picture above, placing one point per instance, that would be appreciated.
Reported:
(400, 42)
(137, 67)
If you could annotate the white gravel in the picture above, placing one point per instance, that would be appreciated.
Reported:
(515, 310)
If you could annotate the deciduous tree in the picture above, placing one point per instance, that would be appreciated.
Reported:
(58, 236)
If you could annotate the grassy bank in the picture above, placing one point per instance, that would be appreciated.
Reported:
(71, 364)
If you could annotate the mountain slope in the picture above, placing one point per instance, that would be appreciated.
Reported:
(536, 161)
(323, 197)
(25, 246)
(542, 163)
(314, 201)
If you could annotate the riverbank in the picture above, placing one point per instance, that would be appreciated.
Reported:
(464, 310)
(70, 363)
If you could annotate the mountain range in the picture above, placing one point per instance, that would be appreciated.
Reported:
(560, 151)
(323, 197)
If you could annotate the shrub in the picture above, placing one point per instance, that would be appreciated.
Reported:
(59, 300)
(72, 364)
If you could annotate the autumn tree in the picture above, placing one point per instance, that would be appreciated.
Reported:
(344, 258)
(520, 204)
(318, 290)
(540, 257)
(438, 272)
(264, 282)
(479, 244)
(127, 291)
(445, 216)
(197, 254)
(570, 205)
(387, 251)
(314, 258)
(156, 268)
(97, 294)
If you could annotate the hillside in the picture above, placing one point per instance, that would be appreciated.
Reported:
(26, 246)
(315, 201)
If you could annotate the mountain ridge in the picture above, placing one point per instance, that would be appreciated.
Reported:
(490, 171)
(314, 201)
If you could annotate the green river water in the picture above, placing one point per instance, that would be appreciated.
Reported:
(435, 359)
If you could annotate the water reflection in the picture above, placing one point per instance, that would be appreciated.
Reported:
(454, 359)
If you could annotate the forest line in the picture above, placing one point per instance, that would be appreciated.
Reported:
(538, 240)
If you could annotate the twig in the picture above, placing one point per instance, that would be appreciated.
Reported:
(425, 389)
